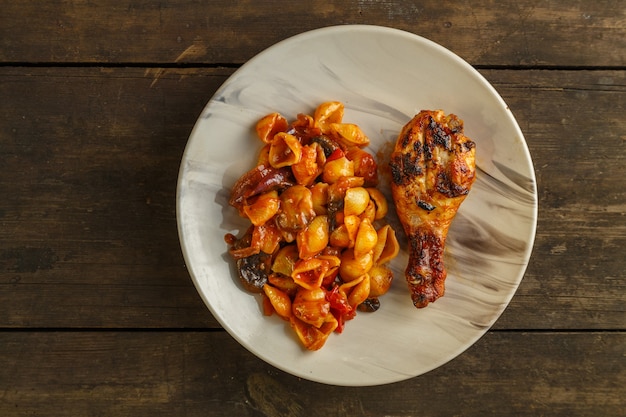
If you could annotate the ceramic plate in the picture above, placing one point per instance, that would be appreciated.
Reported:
(384, 77)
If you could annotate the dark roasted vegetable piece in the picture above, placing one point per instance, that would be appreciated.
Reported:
(261, 179)
(370, 305)
(254, 271)
(328, 145)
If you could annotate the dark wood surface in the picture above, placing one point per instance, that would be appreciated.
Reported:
(98, 315)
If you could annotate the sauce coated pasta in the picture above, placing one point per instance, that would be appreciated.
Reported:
(318, 246)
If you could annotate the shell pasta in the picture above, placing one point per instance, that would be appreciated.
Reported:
(318, 246)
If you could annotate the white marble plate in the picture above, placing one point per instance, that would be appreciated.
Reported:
(384, 77)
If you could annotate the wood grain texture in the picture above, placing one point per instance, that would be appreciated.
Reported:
(209, 374)
(484, 32)
(88, 231)
(574, 125)
(90, 163)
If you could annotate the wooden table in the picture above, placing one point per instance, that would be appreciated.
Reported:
(98, 313)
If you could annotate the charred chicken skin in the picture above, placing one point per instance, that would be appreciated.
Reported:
(433, 168)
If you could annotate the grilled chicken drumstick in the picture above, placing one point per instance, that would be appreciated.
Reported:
(433, 168)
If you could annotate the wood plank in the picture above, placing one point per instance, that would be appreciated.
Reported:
(576, 132)
(90, 162)
(88, 230)
(207, 373)
(550, 33)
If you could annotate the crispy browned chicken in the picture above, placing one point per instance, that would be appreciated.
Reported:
(433, 168)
